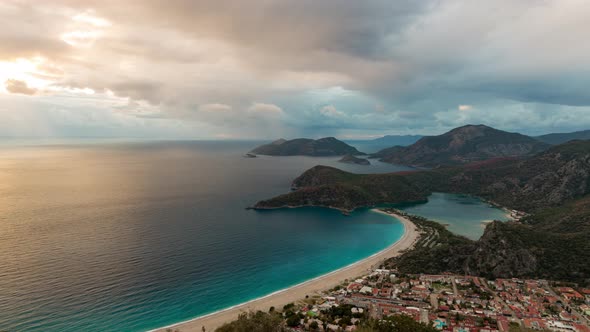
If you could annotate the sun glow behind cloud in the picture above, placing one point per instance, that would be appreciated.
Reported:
(91, 19)
(85, 30)
(39, 75)
(335, 67)
(23, 70)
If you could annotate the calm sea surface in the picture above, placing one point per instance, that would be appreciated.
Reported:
(465, 215)
(134, 236)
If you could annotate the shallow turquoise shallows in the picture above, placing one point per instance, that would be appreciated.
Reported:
(465, 215)
(134, 236)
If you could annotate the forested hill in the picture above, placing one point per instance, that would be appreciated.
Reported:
(550, 178)
(553, 187)
(327, 146)
(553, 243)
(560, 138)
(462, 145)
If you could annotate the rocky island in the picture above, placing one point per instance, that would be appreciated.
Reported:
(350, 159)
(327, 146)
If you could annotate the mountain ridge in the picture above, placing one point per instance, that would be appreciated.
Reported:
(552, 187)
(548, 178)
(403, 139)
(560, 138)
(462, 145)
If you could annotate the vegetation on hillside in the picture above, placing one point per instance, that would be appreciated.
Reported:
(398, 323)
(552, 244)
(437, 250)
(549, 179)
(553, 187)
(350, 159)
(327, 146)
(276, 322)
(560, 138)
(462, 145)
(256, 322)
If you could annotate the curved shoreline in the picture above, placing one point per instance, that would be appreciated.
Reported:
(299, 291)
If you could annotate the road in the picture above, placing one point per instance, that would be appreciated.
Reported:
(574, 312)
(484, 284)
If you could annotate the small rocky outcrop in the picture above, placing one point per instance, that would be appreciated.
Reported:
(350, 159)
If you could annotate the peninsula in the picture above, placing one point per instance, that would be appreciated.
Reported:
(550, 190)
(327, 146)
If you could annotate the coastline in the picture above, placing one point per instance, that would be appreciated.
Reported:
(309, 287)
(344, 211)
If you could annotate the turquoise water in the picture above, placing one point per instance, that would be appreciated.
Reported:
(465, 215)
(130, 237)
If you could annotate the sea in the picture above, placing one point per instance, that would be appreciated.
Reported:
(136, 235)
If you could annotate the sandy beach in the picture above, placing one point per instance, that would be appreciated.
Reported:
(299, 291)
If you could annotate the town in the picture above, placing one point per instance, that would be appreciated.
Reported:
(446, 302)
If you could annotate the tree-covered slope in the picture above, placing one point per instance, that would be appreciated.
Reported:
(553, 243)
(327, 146)
(462, 145)
(560, 138)
(553, 187)
(550, 178)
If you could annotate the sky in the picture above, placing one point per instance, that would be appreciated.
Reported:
(275, 68)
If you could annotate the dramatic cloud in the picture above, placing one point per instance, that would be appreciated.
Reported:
(16, 86)
(334, 67)
(265, 110)
(331, 111)
(258, 119)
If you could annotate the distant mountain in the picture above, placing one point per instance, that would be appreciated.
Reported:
(559, 138)
(377, 144)
(392, 140)
(327, 146)
(550, 178)
(386, 153)
(461, 146)
(350, 159)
